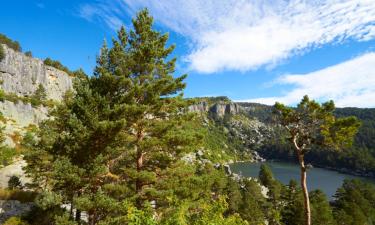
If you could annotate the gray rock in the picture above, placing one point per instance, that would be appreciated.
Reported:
(22, 75)
(221, 109)
(218, 109)
(9, 208)
(200, 107)
(15, 169)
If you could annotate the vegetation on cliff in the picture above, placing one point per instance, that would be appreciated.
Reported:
(15, 45)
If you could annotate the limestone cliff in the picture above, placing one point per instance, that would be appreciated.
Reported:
(219, 109)
(21, 75)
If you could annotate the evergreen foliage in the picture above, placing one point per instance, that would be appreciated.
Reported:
(29, 54)
(14, 182)
(10, 43)
(354, 203)
(309, 124)
(2, 53)
(56, 64)
(39, 96)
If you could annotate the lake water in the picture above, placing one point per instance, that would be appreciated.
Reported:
(326, 180)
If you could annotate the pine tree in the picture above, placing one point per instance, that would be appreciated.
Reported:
(74, 147)
(115, 138)
(320, 209)
(265, 175)
(139, 73)
(354, 203)
(312, 124)
(291, 213)
(267, 179)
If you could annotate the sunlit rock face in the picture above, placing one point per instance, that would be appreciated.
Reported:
(21, 74)
(218, 109)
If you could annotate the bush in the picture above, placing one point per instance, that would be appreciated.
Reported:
(10, 43)
(6, 155)
(15, 221)
(29, 54)
(56, 64)
(14, 182)
(2, 53)
(2, 94)
(12, 97)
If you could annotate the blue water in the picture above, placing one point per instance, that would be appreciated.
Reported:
(317, 178)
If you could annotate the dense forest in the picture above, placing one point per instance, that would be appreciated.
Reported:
(114, 151)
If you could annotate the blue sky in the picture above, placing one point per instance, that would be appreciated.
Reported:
(258, 51)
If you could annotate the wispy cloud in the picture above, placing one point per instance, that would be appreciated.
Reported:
(40, 5)
(103, 11)
(351, 83)
(243, 35)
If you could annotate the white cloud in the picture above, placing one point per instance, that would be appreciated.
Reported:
(351, 83)
(104, 12)
(243, 35)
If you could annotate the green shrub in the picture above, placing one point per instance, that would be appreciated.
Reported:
(6, 155)
(2, 53)
(15, 221)
(2, 95)
(29, 54)
(56, 64)
(14, 182)
(10, 43)
(12, 97)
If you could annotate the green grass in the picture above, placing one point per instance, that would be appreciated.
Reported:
(6, 155)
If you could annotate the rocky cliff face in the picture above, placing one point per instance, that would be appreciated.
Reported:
(221, 110)
(217, 109)
(21, 75)
(199, 107)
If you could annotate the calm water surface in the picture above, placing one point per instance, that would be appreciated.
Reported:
(317, 178)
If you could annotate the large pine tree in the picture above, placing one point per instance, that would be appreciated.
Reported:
(114, 139)
(138, 71)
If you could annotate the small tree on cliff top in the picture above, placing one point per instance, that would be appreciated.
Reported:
(313, 124)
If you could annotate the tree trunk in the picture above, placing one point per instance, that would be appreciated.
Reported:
(78, 216)
(71, 208)
(300, 155)
(140, 154)
(91, 218)
(138, 183)
(305, 191)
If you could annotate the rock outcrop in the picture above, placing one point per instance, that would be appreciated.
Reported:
(21, 74)
(199, 107)
(221, 110)
(217, 109)
(9, 208)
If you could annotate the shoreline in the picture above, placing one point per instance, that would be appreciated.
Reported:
(339, 170)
